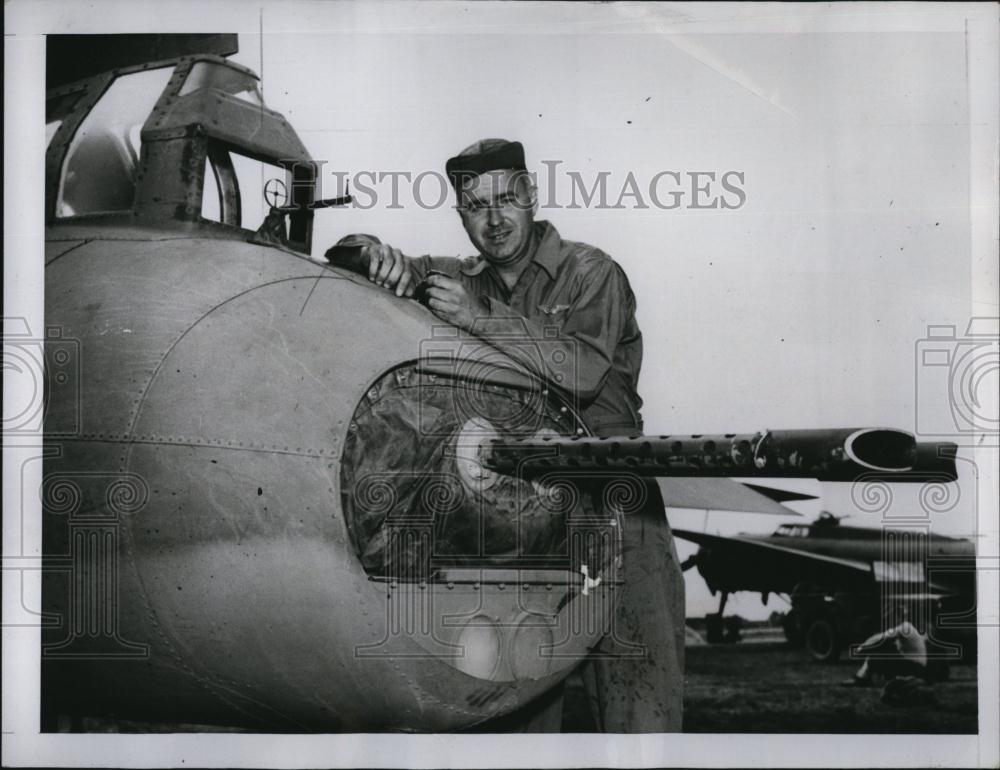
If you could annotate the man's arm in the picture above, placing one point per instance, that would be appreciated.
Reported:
(350, 252)
(576, 356)
(382, 264)
(386, 266)
(872, 642)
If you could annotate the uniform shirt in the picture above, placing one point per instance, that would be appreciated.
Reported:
(574, 308)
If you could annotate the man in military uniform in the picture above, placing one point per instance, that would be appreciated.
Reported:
(527, 280)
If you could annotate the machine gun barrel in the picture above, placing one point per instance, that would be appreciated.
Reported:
(836, 454)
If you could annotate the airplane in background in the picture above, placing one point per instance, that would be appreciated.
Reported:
(844, 583)
(265, 500)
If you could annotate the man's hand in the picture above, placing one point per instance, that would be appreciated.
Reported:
(388, 267)
(449, 301)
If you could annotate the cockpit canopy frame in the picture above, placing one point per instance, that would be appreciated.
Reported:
(187, 127)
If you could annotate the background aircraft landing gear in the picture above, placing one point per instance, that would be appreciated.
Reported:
(714, 628)
(822, 640)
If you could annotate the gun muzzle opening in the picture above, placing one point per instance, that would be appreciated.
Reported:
(882, 449)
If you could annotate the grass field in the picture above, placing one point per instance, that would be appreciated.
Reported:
(771, 688)
(767, 687)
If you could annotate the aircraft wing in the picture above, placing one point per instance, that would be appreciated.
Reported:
(779, 495)
(716, 541)
(744, 564)
(717, 494)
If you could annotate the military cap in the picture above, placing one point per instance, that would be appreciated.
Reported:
(482, 156)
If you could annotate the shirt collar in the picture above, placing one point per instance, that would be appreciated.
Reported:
(548, 253)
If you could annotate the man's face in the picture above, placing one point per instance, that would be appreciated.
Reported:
(498, 210)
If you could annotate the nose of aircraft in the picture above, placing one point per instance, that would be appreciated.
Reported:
(224, 376)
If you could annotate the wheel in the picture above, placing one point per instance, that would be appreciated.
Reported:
(822, 640)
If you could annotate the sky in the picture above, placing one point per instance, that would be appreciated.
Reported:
(801, 305)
